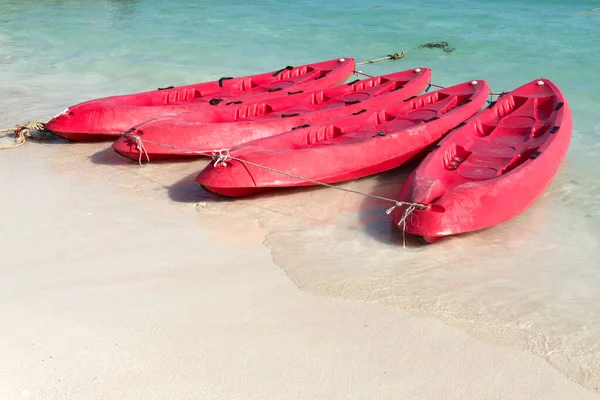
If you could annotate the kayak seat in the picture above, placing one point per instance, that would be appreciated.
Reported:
(400, 123)
(324, 102)
(284, 83)
(176, 96)
(489, 159)
(543, 130)
(519, 159)
(288, 74)
(454, 156)
(274, 86)
(422, 114)
(512, 104)
(321, 133)
(377, 86)
(435, 105)
(244, 85)
(354, 97)
(252, 110)
(481, 167)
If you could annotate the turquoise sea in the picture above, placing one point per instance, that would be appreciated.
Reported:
(56, 53)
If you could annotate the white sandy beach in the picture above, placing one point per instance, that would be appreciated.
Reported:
(126, 282)
(109, 294)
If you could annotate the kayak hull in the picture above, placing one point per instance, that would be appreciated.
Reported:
(493, 168)
(346, 148)
(106, 118)
(199, 133)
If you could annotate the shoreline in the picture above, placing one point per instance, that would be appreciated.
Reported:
(120, 281)
(220, 237)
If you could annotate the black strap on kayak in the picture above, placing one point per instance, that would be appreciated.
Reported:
(165, 88)
(353, 82)
(360, 112)
(535, 155)
(234, 102)
(299, 91)
(467, 101)
(559, 106)
(398, 88)
(410, 98)
(225, 78)
(431, 119)
(432, 148)
(214, 102)
(289, 115)
(491, 104)
(289, 67)
(300, 127)
(461, 124)
(352, 102)
(275, 90)
(379, 134)
(554, 129)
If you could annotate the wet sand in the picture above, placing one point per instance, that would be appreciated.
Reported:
(126, 282)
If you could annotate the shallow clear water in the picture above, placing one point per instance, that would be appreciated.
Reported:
(531, 282)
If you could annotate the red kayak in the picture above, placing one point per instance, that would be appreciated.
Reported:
(197, 133)
(346, 148)
(107, 117)
(493, 168)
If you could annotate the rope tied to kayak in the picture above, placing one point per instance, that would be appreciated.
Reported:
(402, 223)
(221, 156)
(410, 207)
(393, 56)
(139, 145)
(23, 132)
(491, 94)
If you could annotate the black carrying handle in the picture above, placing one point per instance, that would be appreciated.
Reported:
(225, 78)
(289, 67)
(300, 127)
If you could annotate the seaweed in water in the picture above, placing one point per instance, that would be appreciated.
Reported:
(437, 45)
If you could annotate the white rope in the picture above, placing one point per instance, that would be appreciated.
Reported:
(388, 211)
(141, 149)
(221, 156)
(139, 141)
(22, 132)
(402, 222)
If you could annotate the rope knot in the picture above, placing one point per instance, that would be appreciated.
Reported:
(411, 206)
(23, 132)
(138, 142)
(220, 157)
